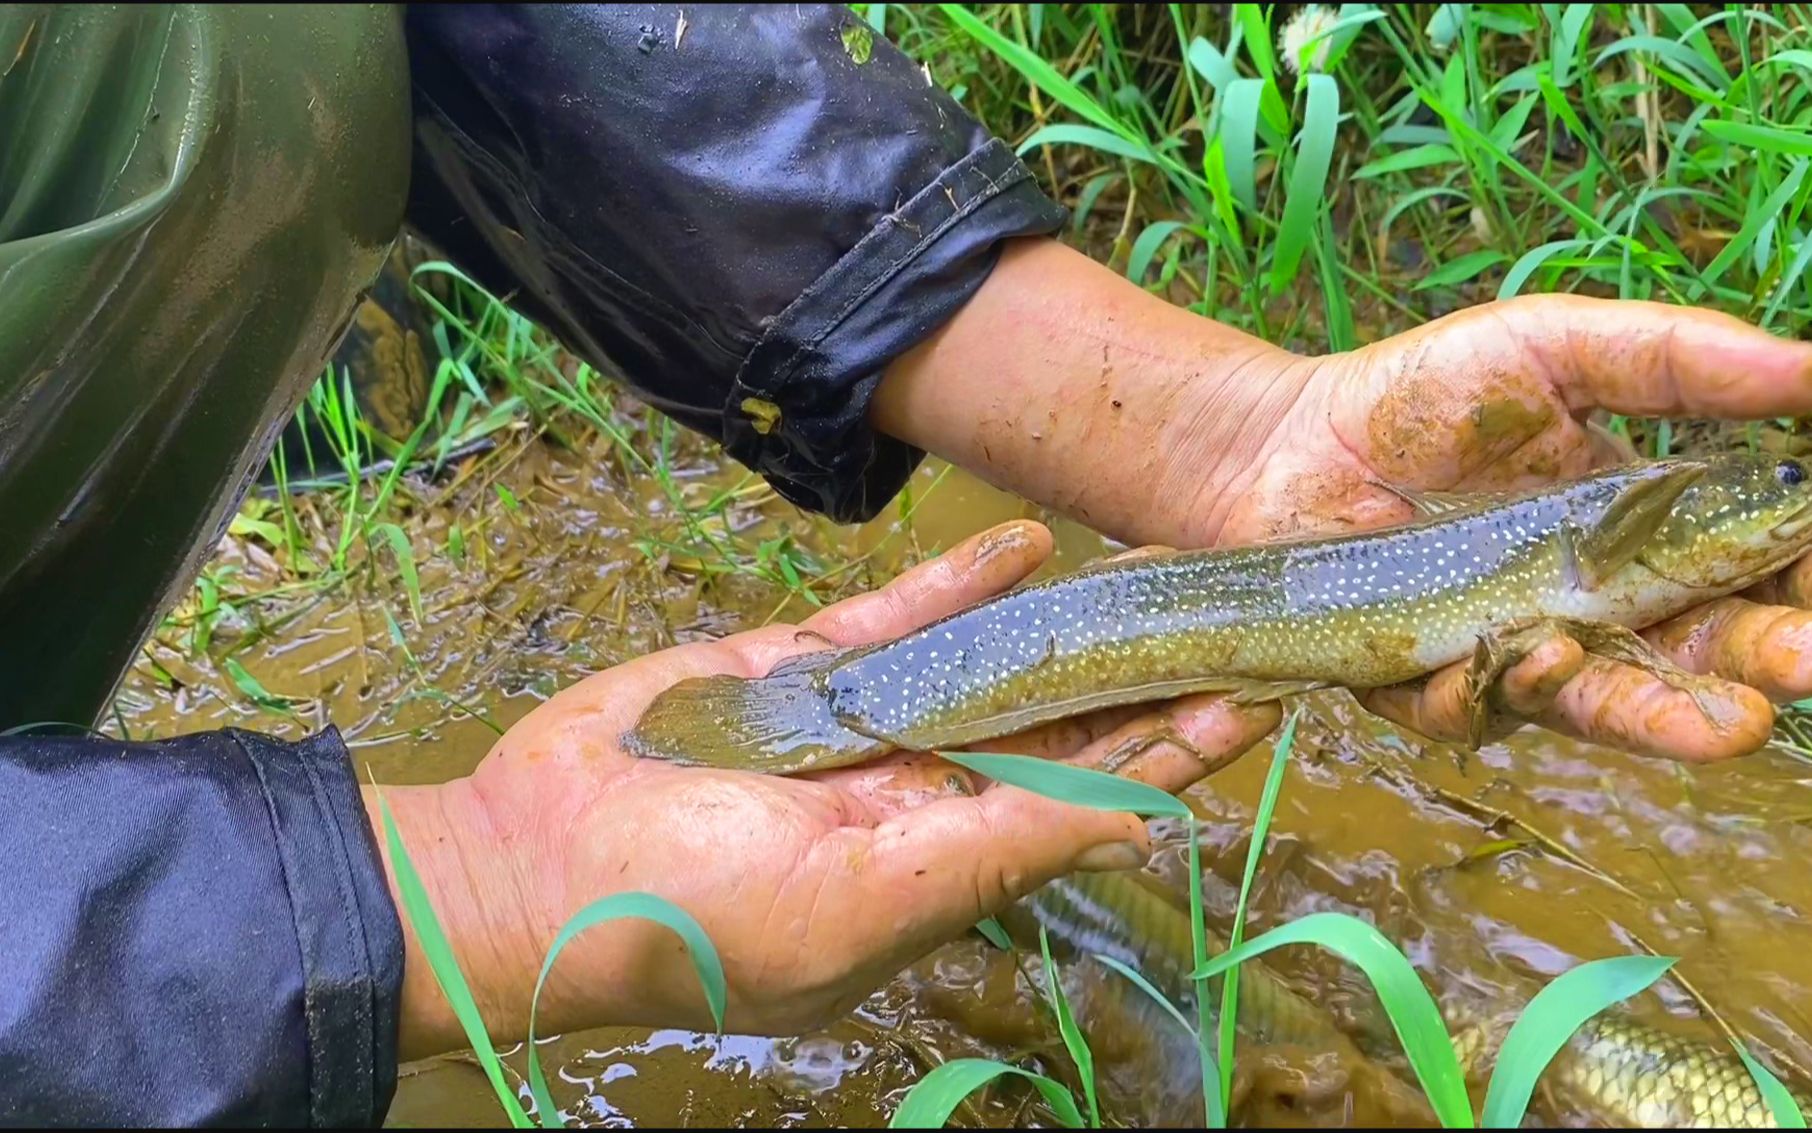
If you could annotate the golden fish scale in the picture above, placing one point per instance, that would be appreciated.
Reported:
(1623, 1071)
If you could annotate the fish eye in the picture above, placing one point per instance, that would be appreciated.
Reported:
(1789, 472)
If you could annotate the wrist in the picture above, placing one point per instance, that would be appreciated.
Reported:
(1069, 385)
(464, 873)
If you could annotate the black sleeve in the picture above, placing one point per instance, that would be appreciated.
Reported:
(727, 206)
(194, 931)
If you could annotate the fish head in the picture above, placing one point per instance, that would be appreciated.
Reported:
(1748, 516)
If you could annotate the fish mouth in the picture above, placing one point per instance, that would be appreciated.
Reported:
(1794, 524)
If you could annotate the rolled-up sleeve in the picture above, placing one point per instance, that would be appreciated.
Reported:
(744, 212)
(196, 932)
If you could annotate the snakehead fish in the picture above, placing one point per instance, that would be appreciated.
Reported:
(1472, 576)
(1614, 1070)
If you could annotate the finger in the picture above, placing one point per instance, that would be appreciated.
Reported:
(1791, 587)
(955, 861)
(1623, 707)
(1148, 551)
(1657, 360)
(1601, 701)
(977, 568)
(1440, 707)
(1176, 744)
(1766, 647)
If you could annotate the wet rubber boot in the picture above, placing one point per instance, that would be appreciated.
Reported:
(192, 201)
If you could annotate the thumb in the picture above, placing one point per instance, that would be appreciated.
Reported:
(1660, 360)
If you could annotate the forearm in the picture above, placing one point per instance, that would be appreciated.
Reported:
(1065, 383)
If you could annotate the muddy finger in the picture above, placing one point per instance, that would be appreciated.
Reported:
(1441, 707)
(977, 568)
(1768, 648)
(1623, 707)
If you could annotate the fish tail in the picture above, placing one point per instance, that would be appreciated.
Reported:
(779, 724)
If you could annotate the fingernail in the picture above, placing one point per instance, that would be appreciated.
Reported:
(1008, 536)
(1111, 857)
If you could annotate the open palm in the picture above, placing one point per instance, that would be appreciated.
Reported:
(815, 889)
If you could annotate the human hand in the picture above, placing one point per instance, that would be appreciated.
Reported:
(1497, 397)
(815, 890)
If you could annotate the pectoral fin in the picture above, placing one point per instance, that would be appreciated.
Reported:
(1496, 653)
(1617, 442)
(1628, 524)
(1500, 650)
(1430, 503)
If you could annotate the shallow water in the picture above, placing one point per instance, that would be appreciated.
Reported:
(1614, 854)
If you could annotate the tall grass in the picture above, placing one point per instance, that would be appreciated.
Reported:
(1405, 158)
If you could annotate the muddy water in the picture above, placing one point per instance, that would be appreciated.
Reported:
(1494, 872)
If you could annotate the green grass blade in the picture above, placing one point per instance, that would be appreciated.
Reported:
(1781, 1103)
(1239, 138)
(1080, 1054)
(1079, 786)
(996, 935)
(933, 1098)
(1076, 134)
(1530, 262)
(1758, 220)
(1416, 157)
(1444, 26)
(1255, 29)
(1685, 61)
(253, 690)
(620, 906)
(1308, 180)
(1134, 977)
(1198, 945)
(1770, 139)
(1038, 72)
(439, 953)
(1147, 245)
(405, 564)
(1550, 1019)
(1213, 66)
(1787, 281)
(1567, 36)
(1412, 1010)
(1460, 269)
(1261, 829)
